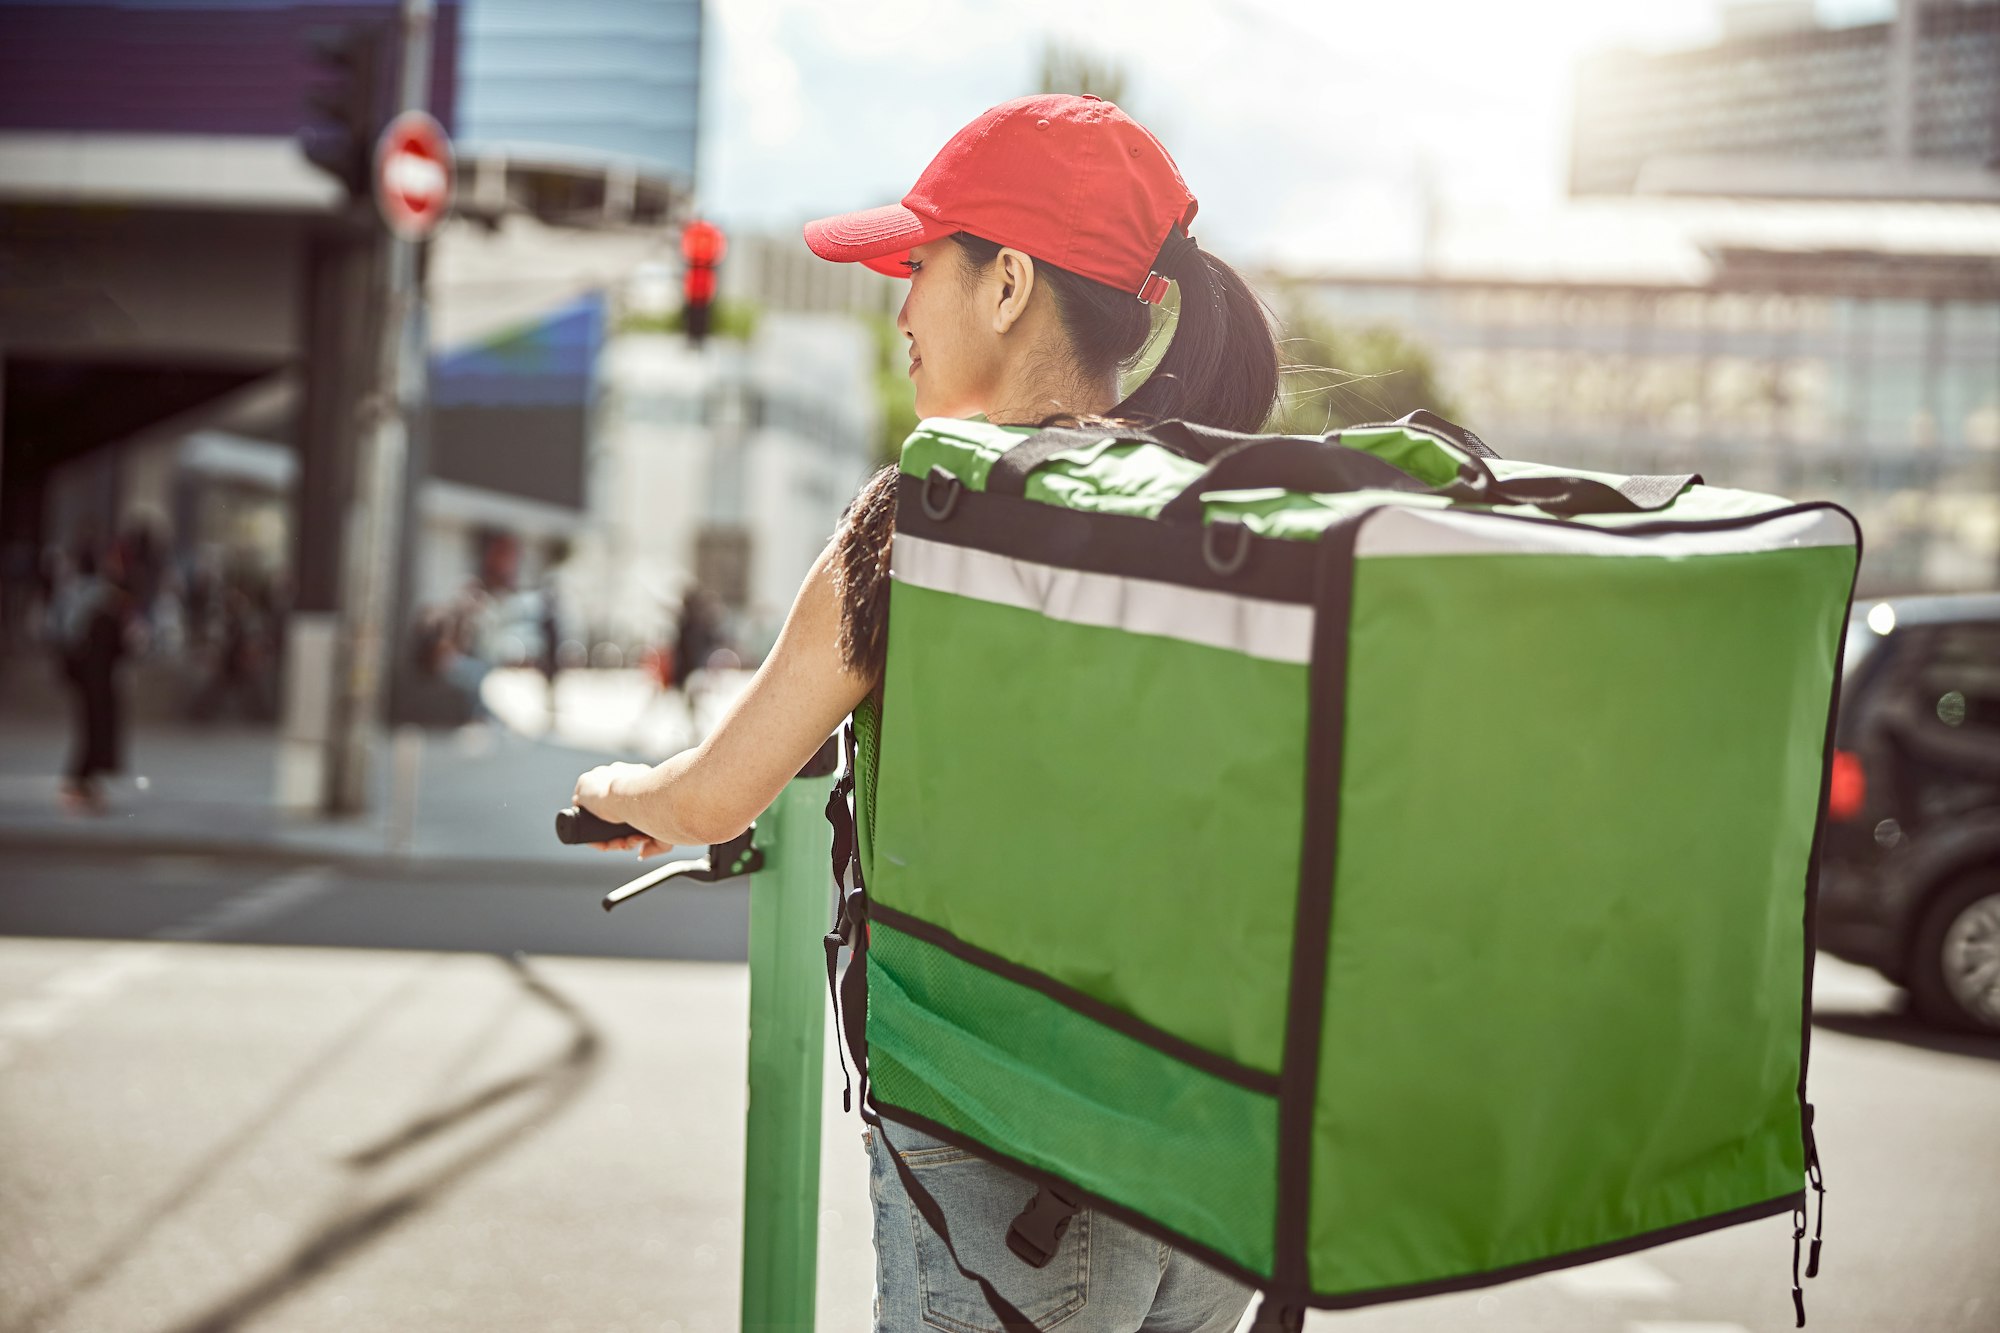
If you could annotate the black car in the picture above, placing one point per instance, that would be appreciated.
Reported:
(1910, 880)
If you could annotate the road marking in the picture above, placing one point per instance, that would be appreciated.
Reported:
(60, 999)
(1622, 1279)
(253, 906)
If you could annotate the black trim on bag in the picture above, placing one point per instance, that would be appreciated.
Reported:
(1666, 525)
(1305, 1010)
(1645, 1240)
(1277, 569)
(1208, 1062)
(1810, 1144)
(1096, 1202)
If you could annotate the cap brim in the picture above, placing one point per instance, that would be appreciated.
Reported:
(881, 238)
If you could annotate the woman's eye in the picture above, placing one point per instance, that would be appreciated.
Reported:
(913, 264)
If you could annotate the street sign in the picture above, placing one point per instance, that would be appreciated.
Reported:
(413, 175)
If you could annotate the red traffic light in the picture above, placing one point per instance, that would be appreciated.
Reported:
(702, 244)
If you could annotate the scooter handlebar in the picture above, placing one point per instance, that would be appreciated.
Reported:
(576, 824)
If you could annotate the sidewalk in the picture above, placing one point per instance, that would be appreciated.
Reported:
(484, 798)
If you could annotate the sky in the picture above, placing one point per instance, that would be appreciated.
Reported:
(1304, 129)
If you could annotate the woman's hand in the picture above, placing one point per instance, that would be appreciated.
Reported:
(598, 792)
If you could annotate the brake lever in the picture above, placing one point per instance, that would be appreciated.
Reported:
(725, 860)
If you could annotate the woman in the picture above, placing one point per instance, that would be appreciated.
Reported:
(1036, 244)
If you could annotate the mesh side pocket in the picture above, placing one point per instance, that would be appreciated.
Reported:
(1031, 1078)
(867, 756)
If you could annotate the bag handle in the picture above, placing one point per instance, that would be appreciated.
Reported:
(1425, 420)
(1237, 462)
(1197, 443)
(1328, 465)
(1292, 464)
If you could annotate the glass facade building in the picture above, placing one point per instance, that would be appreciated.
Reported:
(1810, 94)
(1863, 379)
(604, 81)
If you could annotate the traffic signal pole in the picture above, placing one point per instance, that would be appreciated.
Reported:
(362, 392)
(376, 507)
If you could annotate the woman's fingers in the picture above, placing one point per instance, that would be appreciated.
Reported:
(646, 845)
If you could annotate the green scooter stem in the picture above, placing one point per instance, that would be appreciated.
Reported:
(790, 901)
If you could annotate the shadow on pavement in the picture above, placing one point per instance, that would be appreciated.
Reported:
(540, 1094)
(197, 1178)
(1908, 1030)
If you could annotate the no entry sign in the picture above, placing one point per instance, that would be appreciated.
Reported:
(413, 175)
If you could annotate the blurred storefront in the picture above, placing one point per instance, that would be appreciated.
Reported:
(162, 229)
(725, 467)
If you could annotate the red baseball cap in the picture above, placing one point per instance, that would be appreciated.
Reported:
(1071, 180)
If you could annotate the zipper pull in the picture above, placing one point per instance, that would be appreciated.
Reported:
(833, 941)
(1798, 1293)
(1819, 1189)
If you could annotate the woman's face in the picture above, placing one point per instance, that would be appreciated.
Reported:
(954, 353)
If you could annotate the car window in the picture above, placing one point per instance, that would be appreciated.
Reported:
(1960, 677)
(1933, 724)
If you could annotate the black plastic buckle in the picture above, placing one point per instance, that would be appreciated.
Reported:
(1276, 1317)
(939, 509)
(1037, 1233)
(1211, 546)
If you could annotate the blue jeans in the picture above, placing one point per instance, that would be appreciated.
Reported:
(1105, 1278)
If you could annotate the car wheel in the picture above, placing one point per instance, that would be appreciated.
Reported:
(1955, 963)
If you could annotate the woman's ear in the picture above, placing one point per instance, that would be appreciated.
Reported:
(1017, 284)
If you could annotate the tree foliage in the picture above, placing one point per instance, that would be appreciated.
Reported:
(1336, 375)
(727, 319)
(1071, 69)
(895, 395)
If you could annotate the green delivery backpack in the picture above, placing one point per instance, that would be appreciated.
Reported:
(1375, 866)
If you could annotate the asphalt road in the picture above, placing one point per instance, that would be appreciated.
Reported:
(270, 1097)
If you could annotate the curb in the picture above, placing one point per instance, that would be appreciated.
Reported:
(604, 870)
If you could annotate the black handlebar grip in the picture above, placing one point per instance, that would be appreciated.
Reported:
(576, 824)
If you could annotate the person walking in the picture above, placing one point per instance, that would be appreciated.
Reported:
(87, 620)
(1037, 244)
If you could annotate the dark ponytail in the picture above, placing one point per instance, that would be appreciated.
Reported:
(1221, 369)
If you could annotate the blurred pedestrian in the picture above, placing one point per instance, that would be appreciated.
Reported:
(468, 660)
(550, 626)
(85, 629)
(240, 662)
(697, 635)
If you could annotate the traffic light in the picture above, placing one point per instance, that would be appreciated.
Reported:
(702, 246)
(347, 101)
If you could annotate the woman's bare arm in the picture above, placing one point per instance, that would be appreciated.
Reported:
(795, 701)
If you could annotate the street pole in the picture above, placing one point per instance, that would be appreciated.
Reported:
(374, 519)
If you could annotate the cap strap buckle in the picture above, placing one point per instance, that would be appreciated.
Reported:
(1174, 254)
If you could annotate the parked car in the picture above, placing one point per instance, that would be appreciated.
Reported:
(1910, 878)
